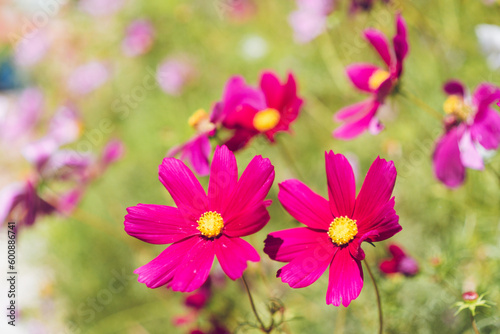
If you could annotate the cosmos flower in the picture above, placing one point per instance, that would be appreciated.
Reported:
(139, 38)
(310, 18)
(471, 126)
(399, 263)
(99, 8)
(362, 5)
(378, 82)
(266, 110)
(203, 226)
(88, 77)
(174, 73)
(335, 228)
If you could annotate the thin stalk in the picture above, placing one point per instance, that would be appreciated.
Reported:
(263, 327)
(421, 104)
(290, 161)
(474, 326)
(379, 303)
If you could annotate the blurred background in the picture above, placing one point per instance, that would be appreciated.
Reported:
(94, 94)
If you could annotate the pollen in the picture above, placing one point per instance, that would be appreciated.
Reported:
(377, 78)
(455, 105)
(197, 117)
(210, 224)
(342, 230)
(266, 119)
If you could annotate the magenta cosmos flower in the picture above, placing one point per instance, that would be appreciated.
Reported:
(471, 126)
(335, 228)
(139, 38)
(266, 110)
(399, 263)
(203, 226)
(378, 82)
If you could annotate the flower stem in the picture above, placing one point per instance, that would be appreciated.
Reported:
(379, 303)
(290, 161)
(474, 326)
(421, 104)
(263, 327)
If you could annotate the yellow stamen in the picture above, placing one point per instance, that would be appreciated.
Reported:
(210, 224)
(196, 118)
(266, 119)
(455, 105)
(342, 230)
(377, 78)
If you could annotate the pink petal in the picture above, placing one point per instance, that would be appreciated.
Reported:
(352, 110)
(252, 187)
(389, 266)
(233, 254)
(484, 95)
(288, 244)
(486, 130)
(380, 43)
(185, 189)
(468, 153)
(345, 280)
(341, 184)
(304, 270)
(454, 87)
(247, 222)
(223, 179)
(377, 188)
(272, 89)
(355, 127)
(240, 139)
(197, 152)
(237, 93)
(379, 225)
(448, 166)
(158, 224)
(305, 205)
(400, 42)
(360, 75)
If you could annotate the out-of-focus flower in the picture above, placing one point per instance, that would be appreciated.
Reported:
(266, 110)
(112, 152)
(471, 301)
(101, 8)
(359, 117)
(335, 227)
(471, 126)
(488, 36)
(32, 48)
(174, 74)
(310, 18)
(399, 263)
(88, 77)
(139, 38)
(362, 5)
(237, 11)
(203, 227)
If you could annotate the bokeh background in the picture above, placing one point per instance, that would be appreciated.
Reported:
(69, 265)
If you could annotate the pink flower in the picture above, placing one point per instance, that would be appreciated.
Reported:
(371, 79)
(174, 74)
(362, 5)
(310, 18)
(139, 38)
(399, 263)
(32, 48)
(88, 77)
(335, 227)
(112, 152)
(266, 110)
(99, 8)
(203, 226)
(470, 126)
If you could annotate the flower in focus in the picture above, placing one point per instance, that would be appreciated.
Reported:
(174, 74)
(399, 263)
(335, 228)
(139, 38)
(310, 18)
(266, 110)
(203, 226)
(471, 126)
(88, 77)
(378, 82)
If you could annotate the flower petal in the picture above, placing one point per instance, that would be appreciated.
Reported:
(448, 166)
(468, 153)
(360, 75)
(486, 130)
(341, 184)
(158, 224)
(197, 152)
(247, 222)
(346, 279)
(377, 188)
(240, 139)
(379, 225)
(305, 205)
(353, 110)
(454, 87)
(400, 42)
(272, 89)
(223, 179)
(185, 189)
(233, 254)
(380, 43)
(355, 127)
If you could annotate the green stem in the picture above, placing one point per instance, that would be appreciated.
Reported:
(379, 303)
(421, 104)
(290, 161)
(263, 327)
(474, 326)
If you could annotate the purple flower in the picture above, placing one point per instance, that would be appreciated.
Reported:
(471, 126)
(88, 77)
(310, 18)
(399, 263)
(139, 38)
(174, 74)
(101, 8)
(31, 48)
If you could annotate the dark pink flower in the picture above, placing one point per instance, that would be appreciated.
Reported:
(266, 110)
(139, 38)
(378, 82)
(203, 226)
(399, 263)
(112, 152)
(335, 228)
(471, 126)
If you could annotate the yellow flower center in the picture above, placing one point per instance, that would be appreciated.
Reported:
(342, 230)
(198, 116)
(377, 78)
(456, 106)
(210, 224)
(266, 119)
